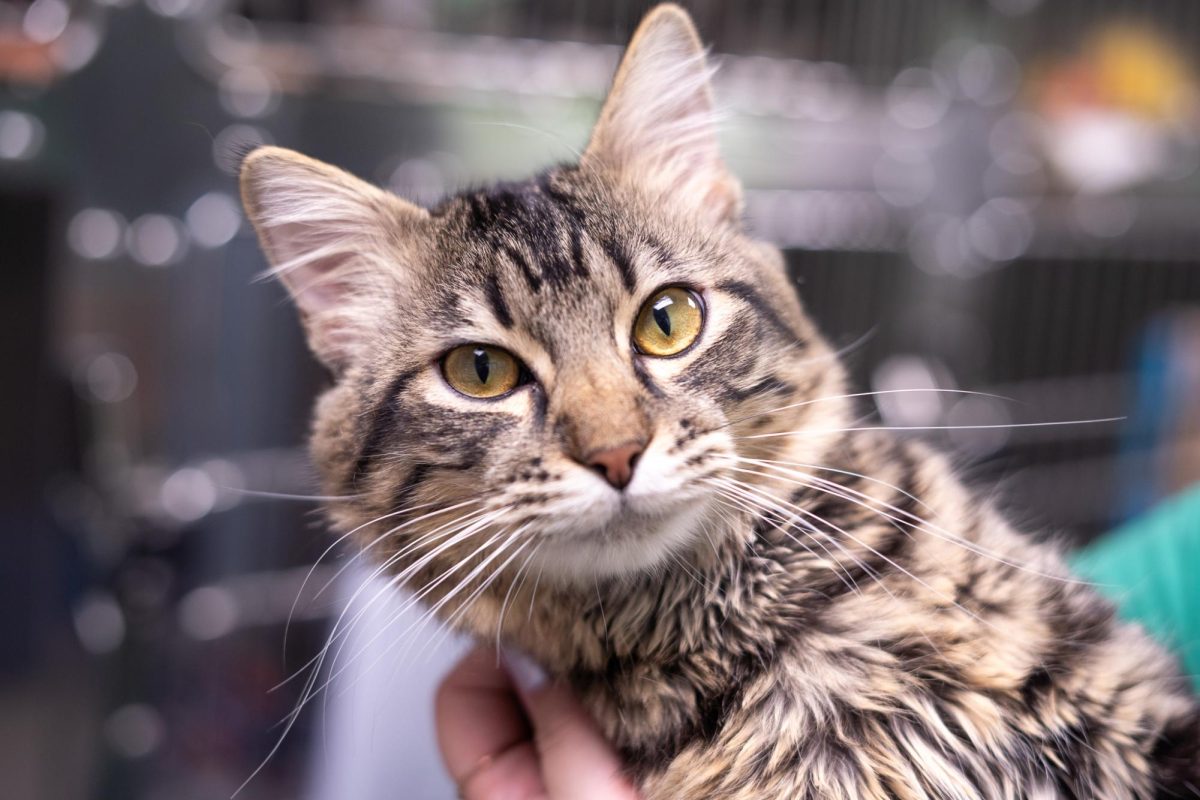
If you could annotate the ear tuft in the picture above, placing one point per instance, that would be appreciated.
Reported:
(658, 126)
(330, 239)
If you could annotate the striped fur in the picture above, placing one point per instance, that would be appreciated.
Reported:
(779, 604)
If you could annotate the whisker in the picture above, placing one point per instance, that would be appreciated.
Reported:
(316, 498)
(819, 431)
(785, 520)
(546, 134)
(736, 492)
(429, 587)
(875, 577)
(849, 473)
(448, 626)
(533, 594)
(337, 671)
(421, 563)
(831, 398)
(414, 627)
(362, 551)
(309, 692)
(424, 539)
(359, 554)
(517, 582)
(688, 569)
(896, 566)
(862, 499)
(851, 585)
(603, 618)
(857, 343)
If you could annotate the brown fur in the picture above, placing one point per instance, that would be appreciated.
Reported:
(777, 605)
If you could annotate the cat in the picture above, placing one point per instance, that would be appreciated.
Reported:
(586, 415)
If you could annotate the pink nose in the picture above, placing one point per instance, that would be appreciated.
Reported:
(616, 463)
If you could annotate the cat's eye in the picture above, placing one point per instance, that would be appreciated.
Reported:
(480, 370)
(669, 322)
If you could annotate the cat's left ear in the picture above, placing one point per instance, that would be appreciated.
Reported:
(336, 242)
(658, 125)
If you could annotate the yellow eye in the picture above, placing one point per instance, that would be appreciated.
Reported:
(668, 322)
(478, 370)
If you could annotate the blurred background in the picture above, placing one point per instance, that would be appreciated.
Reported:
(995, 195)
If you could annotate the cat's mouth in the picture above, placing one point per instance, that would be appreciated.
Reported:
(588, 528)
(622, 535)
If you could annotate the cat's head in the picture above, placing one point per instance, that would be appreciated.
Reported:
(557, 372)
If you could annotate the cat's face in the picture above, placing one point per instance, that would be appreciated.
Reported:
(553, 373)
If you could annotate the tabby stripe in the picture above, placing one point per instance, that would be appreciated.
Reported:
(540, 402)
(617, 254)
(481, 214)
(662, 254)
(713, 703)
(495, 298)
(1074, 633)
(565, 199)
(531, 277)
(883, 556)
(577, 250)
(646, 380)
(578, 221)
(416, 476)
(712, 709)
(556, 268)
(751, 297)
(1176, 755)
(771, 384)
(380, 424)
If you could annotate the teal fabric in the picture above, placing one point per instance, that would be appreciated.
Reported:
(1149, 567)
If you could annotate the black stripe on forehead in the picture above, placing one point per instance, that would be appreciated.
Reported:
(577, 249)
(618, 252)
(495, 298)
(619, 255)
(613, 248)
(532, 278)
(535, 228)
(556, 264)
(576, 218)
(480, 217)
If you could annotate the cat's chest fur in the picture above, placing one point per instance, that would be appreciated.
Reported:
(938, 660)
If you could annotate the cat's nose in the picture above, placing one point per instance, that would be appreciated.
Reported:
(616, 464)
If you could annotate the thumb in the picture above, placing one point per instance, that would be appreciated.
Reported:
(577, 761)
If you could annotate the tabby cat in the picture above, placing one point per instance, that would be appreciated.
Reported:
(585, 414)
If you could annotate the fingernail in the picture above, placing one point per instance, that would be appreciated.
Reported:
(526, 673)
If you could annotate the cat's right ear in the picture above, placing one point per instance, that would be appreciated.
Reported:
(332, 240)
(658, 125)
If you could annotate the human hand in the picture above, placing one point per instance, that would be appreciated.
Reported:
(506, 733)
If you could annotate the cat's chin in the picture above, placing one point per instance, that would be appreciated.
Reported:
(627, 544)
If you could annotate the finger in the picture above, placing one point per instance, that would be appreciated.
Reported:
(577, 761)
(483, 733)
(510, 775)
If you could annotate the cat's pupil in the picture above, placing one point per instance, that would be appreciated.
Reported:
(482, 365)
(661, 316)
